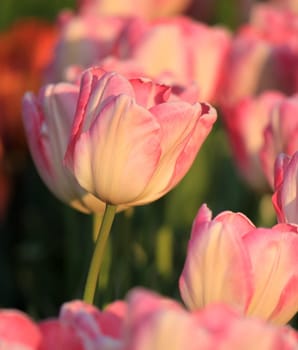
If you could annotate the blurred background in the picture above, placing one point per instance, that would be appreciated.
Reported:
(45, 245)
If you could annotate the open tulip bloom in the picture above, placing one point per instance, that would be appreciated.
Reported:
(133, 140)
(252, 269)
(128, 142)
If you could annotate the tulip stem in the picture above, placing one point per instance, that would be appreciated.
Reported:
(98, 254)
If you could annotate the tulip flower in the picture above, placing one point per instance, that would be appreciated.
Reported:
(133, 140)
(154, 322)
(245, 123)
(188, 50)
(280, 135)
(84, 40)
(262, 57)
(47, 119)
(252, 269)
(285, 196)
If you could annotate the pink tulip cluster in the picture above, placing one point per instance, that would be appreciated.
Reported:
(145, 321)
(175, 50)
(124, 126)
(258, 100)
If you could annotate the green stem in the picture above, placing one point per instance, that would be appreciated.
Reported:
(98, 253)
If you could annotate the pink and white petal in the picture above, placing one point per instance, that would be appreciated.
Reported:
(149, 93)
(281, 164)
(112, 318)
(208, 68)
(177, 120)
(109, 85)
(94, 89)
(116, 159)
(287, 305)
(192, 144)
(274, 256)
(18, 331)
(188, 93)
(203, 217)
(168, 329)
(34, 123)
(280, 167)
(142, 302)
(288, 191)
(239, 222)
(217, 269)
(155, 322)
(59, 336)
(160, 51)
(82, 317)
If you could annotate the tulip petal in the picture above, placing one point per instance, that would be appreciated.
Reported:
(59, 336)
(285, 198)
(274, 261)
(158, 323)
(148, 93)
(18, 331)
(93, 93)
(122, 141)
(192, 144)
(216, 247)
(183, 128)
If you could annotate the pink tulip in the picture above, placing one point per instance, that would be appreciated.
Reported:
(47, 120)
(245, 124)
(133, 140)
(262, 57)
(83, 327)
(280, 135)
(285, 195)
(18, 331)
(84, 40)
(253, 269)
(188, 50)
(154, 322)
(144, 8)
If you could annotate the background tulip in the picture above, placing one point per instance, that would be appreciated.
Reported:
(47, 120)
(133, 140)
(280, 135)
(188, 50)
(84, 39)
(261, 58)
(230, 260)
(245, 124)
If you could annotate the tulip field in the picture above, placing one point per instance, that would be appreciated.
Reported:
(149, 175)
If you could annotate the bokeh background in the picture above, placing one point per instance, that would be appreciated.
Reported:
(45, 245)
